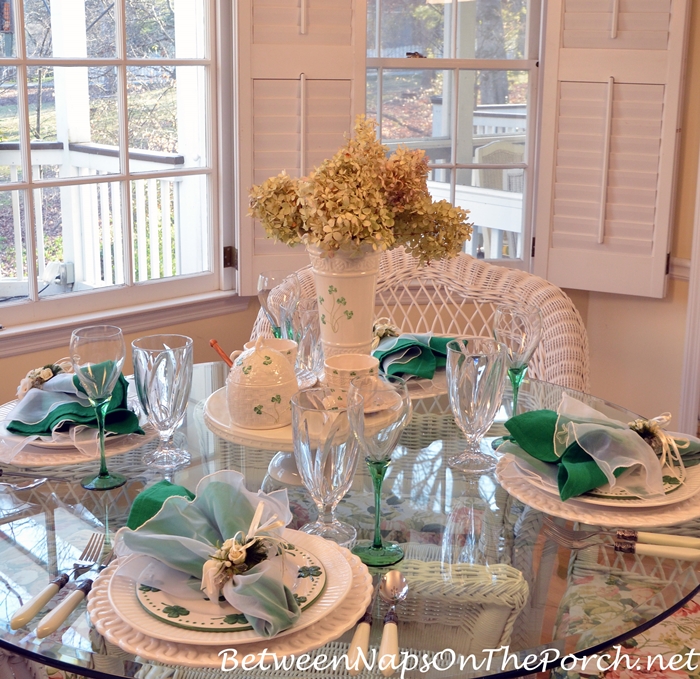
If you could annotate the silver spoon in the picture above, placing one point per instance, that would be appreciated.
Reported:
(393, 589)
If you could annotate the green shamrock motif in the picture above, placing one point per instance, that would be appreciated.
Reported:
(258, 410)
(247, 369)
(267, 360)
(332, 289)
(175, 611)
(341, 301)
(289, 547)
(235, 619)
(320, 300)
(300, 599)
(323, 319)
(276, 399)
(348, 314)
(146, 588)
(309, 572)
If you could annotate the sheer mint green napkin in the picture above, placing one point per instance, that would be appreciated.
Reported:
(412, 354)
(62, 401)
(180, 541)
(585, 450)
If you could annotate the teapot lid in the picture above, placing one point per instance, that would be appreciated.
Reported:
(261, 366)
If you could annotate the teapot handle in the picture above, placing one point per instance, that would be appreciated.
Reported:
(235, 354)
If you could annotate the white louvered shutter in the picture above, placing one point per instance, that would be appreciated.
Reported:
(300, 85)
(611, 104)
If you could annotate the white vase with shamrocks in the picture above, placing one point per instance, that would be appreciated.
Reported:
(346, 212)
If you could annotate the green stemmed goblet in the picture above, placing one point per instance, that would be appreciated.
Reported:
(387, 411)
(519, 328)
(97, 353)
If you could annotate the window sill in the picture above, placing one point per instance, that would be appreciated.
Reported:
(56, 333)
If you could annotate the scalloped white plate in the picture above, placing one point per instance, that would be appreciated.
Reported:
(511, 479)
(690, 488)
(333, 625)
(123, 597)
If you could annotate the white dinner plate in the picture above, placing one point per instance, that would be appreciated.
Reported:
(330, 627)
(123, 598)
(519, 486)
(690, 488)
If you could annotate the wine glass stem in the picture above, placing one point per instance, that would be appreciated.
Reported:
(377, 470)
(327, 513)
(100, 413)
(516, 376)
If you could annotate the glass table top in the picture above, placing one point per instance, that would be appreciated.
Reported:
(484, 584)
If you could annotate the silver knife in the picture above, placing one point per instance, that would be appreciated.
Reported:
(53, 620)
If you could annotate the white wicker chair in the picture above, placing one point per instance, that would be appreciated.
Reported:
(459, 296)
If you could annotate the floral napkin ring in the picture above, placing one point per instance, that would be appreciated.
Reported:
(240, 553)
(382, 328)
(36, 378)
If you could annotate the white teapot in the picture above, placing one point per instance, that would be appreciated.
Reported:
(258, 388)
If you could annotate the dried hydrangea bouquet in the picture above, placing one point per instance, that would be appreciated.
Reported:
(353, 206)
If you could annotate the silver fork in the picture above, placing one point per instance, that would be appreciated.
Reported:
(87, 559)
(625, 534)
(562, 537)
(90, 555)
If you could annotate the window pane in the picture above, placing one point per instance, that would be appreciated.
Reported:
(10, 158)
(414, 111)
(87, 99)
(167, 116)
(79, 237)
(495, 201)
(492, 129)
(372, 28)
(167, 29)
(75, 29)
(486, 29)
(372, 93)
(8, 45)
(13, 253)
(170, 234)
(410, 26)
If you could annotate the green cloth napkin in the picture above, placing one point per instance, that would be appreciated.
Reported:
(577, 471)
(66, 408)
(412, 354)
(149, 501)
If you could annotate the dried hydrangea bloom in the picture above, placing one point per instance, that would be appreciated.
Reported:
(362, 199)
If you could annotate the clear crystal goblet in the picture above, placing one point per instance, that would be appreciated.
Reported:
(476, 370)
(163, 376)
(326, 452)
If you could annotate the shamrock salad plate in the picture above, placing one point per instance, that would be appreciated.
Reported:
(207, 616)
(323, 579)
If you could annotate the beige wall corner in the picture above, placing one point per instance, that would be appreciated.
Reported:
(636, 348)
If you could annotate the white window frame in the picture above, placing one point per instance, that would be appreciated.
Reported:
(531, 65)
(46, 322)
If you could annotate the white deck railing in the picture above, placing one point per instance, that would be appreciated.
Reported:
(91, 215)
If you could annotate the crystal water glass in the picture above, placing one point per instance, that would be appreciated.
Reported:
(300, 322)
(326, 452)
(476, 370)
(97, 353)
(275, 290)
(387, 410)
(519, 328)
(163, 377)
